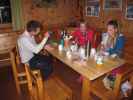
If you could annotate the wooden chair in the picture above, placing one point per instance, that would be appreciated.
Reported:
(100, 91)
(25, 76)
(96, 40)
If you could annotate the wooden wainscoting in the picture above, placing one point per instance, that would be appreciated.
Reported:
(128, 50)
(7, 42)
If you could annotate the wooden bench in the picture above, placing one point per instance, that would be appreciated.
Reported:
(100, 91)
(7, 42)
(57, 90)
(128, 50)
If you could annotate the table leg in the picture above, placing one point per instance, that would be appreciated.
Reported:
(85, 93)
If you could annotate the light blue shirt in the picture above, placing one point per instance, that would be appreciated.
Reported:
(28, 47)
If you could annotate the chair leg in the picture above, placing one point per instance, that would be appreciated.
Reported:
(18, 88)
(41, 88)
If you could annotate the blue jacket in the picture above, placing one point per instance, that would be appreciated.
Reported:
(118, 48)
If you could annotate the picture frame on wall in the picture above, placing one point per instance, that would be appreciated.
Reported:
(112, 4)
(129, 11)
(92, 8)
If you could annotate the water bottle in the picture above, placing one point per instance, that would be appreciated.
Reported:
(61, 44)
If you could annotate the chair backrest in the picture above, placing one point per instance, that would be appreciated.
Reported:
(17, 55)
(15, 69)
(96, 40)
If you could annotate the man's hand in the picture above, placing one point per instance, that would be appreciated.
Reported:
(44, 52)
(46, 34)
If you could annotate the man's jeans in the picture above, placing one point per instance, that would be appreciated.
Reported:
(42, 62)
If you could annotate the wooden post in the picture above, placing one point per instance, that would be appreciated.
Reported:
(85, 93)
(41, 91)
(117, 85)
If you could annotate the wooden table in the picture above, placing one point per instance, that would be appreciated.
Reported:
(90, 71)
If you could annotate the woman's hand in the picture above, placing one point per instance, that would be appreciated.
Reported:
(48, 47)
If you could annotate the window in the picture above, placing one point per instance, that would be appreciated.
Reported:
(92, 8)
(113, 4)
(5, 12)
(129, 11)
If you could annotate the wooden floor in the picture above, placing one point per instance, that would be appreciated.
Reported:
(7, 86)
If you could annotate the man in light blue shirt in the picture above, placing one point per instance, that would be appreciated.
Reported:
(30, 51)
